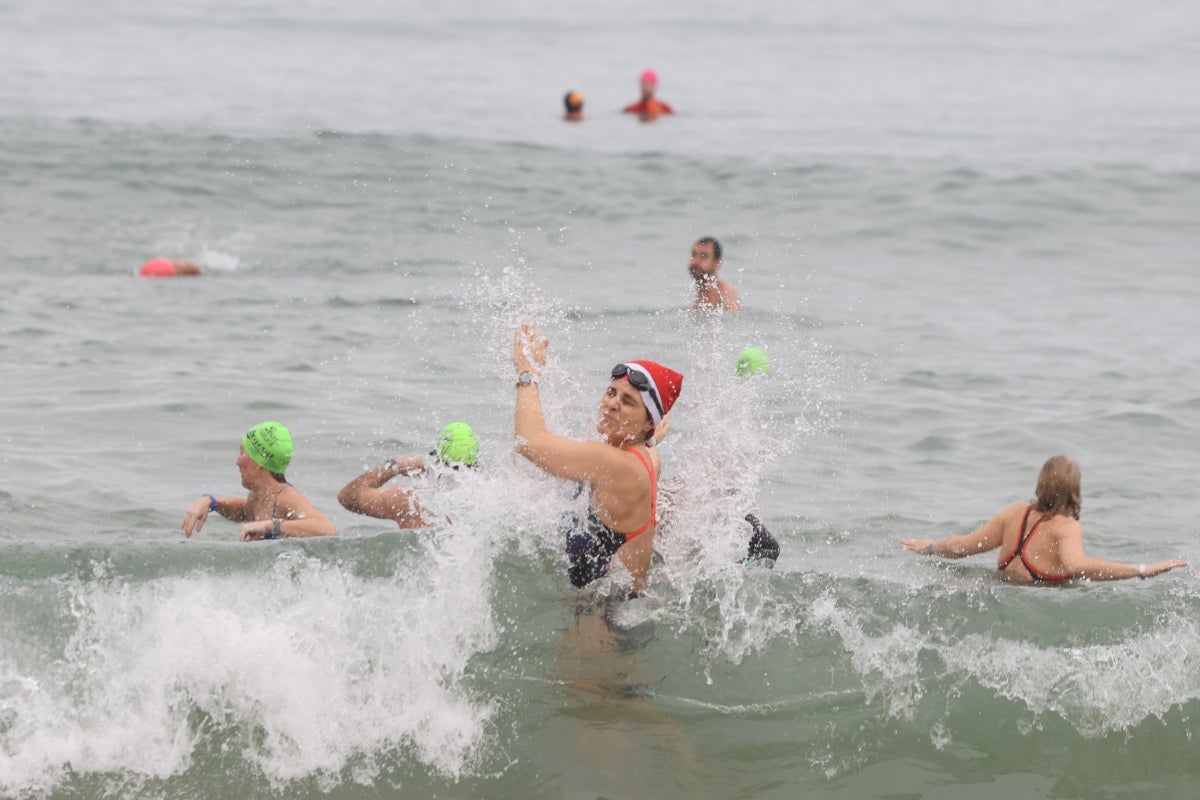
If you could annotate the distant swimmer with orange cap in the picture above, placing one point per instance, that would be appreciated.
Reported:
(273, 509)
(574, 104)
(649, 107)
(456, 447)
(166, 268)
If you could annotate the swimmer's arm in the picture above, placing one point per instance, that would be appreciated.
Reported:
(572, 459)
(232, 508)
(298, 520)
(558, 455)
(363, 495)
(985, 538)
(1080, 565)
(409, 466)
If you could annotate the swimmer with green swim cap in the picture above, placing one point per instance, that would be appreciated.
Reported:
(273, 508)
(269, 445)
(367, 494)
(753, 361)
(457, 445)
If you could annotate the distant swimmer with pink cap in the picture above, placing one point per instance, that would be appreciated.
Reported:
(273, 508)
(620, 472)
(166, 268)
(649, 107)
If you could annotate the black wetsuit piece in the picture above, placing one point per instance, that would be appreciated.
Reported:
(763, 548)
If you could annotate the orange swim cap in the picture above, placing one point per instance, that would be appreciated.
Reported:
(158, 268)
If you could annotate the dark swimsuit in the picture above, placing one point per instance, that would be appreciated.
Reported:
(591, 544)
(1038, 577)
(271, 534)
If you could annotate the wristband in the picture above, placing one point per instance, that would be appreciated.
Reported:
(212, 502)
(391, 466)
(274, 532)
(927, 550)
(1142, 571)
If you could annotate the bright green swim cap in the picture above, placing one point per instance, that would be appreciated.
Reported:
(269, 445)
(457, 445)
(753, 361)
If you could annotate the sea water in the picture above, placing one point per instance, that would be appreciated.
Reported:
(964, 234)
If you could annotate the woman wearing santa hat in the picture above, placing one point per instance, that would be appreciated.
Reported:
(621, 472)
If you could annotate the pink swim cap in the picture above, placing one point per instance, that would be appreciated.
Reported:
(158, 268)
(650, 76)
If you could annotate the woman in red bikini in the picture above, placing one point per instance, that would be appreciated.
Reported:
(621, 472)
(1041, 542)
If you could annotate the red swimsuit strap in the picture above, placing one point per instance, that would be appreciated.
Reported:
(1041, 576)
(1020, 541)
(653, 497)
(1020, 551)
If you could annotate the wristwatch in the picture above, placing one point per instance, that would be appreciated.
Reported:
(526, 378)
(274, 532)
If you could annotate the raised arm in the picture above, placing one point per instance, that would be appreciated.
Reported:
(560, 456)
(367, 494)
(1080, 565)
(362, 494)
(985, 538)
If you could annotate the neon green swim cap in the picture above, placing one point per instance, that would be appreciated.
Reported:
(269, 445)
(457, 445)
(753, 361)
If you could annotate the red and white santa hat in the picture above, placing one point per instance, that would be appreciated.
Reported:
(664, 383)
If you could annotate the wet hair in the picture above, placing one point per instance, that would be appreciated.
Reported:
(716, 246)
(1058, 487)
(573, 100)
(278, 476)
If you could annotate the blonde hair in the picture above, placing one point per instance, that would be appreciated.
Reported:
(1058, 487)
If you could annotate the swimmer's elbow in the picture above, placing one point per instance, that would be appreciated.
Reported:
(526, 447)
(348, 497)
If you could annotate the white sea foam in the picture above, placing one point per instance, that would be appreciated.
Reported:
(308, 664)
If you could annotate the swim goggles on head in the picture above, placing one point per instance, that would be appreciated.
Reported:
(639, 381)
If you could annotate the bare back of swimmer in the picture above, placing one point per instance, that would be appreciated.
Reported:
(1041, 542)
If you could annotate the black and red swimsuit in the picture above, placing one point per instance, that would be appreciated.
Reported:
(1038, 577)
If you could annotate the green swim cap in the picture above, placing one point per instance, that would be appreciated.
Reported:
(269, 445)
(457, 445)
(753, 361)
